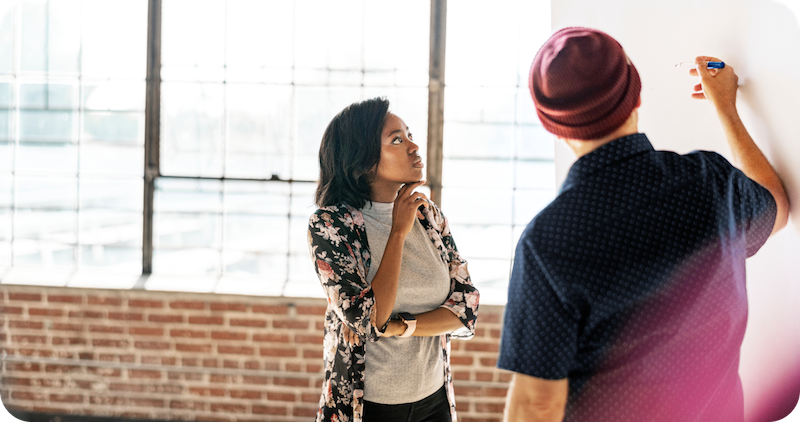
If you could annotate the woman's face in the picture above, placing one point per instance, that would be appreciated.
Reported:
(399, 163)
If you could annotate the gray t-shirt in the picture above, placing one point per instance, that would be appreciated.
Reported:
(405, 370)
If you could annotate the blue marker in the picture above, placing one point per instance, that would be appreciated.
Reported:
(711, 65)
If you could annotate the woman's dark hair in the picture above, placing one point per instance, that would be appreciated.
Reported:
(351, 146)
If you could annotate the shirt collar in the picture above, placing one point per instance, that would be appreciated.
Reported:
(608, 154)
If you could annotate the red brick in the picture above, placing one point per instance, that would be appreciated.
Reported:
(228, 408)
(50, 409)
(188, 333)
(294, 367)
(145, 331)
(249, 379)
(83, 384)
(165, 318)
(480, 391)
(183, 304)
(136, 388)
(299, 338)
(480, 332)
(205, 320)
(199, 348)
(50, 383)
(146, 402)
(105, 301)
(215, 392)
(64, 299)
(189, 362)
(26, 395)
(106, 329)
(309, 398)
(293, 382)
(236, 322)
(505, 377)
(489, 317)
(230, 364)
(10, 310)
(461, 360)
(66, 398)
(245, 394)
(222, 306)
(272, 338)
(28, 325)
(280, 396)
(311, 310)
(271, 309)
(141, 373)
(484, 376)
(461, 375)
(489, 362)
(228, 335)
(47, 312)
(126, 316)
(108, 400)
(99, 342)
(17, 381)
(312, 367)
(62, 368)
(67, 340)
(462, 406)
(104, 372)
(320, 325)
(151, 345)
(312, 354)
(189, 405)
(58, 326)
(210, 363)
(30, 297)
(473, 346)
(279, 352)
(495, 333)
(269, 410)
(305, 411)
(290, 323)
(490, 407)
(23, 339)
(235, 350)
(141, 303)
(219, 379)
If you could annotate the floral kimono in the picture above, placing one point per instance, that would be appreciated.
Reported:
(338, 241)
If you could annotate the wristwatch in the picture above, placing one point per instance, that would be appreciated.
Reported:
(411, 324)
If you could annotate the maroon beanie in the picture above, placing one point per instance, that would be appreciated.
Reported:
(583, 84)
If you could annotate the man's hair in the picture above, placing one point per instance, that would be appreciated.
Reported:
(350, 148)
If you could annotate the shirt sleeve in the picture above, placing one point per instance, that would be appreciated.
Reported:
(752, 207)
(464, 297)
(339, 262)
(540, 330)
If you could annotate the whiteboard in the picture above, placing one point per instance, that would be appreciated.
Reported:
(761, 40)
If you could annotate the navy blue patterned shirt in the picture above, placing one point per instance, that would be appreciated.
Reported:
(631, 284)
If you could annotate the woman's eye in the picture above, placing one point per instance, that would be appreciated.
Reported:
(397, 140)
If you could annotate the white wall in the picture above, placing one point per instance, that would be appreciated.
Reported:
(761, 40)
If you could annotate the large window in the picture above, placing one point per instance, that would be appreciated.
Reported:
(71, 138)
(246, 89)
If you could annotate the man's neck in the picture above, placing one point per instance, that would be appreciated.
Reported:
(581, 148)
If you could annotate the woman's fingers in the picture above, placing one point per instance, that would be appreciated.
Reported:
(349, 336)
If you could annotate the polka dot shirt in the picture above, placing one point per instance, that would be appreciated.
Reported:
(631, 284)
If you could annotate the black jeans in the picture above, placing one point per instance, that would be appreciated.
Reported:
(433, 408)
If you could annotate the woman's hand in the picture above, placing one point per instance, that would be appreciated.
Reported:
(405, 207)
(349, 336)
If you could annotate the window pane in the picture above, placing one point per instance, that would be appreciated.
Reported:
(98, 159)
(44, 254)
(51, 225)
(47, 158)
(46, 192)
(111, 258)
(114, 39)
(45, 125)
(191, 129)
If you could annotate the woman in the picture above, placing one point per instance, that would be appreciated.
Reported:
(397, 287)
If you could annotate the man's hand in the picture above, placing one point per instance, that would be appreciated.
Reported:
(532, 399)
(719, 86)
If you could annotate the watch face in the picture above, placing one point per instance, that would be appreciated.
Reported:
(406, 316)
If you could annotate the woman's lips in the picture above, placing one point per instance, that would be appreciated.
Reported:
(418, 164)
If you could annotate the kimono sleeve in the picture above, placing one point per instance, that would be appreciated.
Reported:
(339, 260)
(464, 297)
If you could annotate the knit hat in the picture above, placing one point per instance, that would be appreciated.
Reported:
(583, 84)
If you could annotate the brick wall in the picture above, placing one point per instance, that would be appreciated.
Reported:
(189, 356)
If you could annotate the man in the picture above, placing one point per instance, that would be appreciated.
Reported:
(627, 300)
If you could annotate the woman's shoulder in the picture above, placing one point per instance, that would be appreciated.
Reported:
(339, 215)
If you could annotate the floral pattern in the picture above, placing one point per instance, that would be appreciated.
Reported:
(338, 242)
